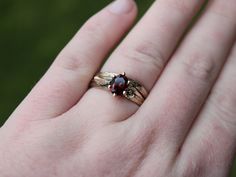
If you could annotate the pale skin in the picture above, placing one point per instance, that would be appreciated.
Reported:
(185, 128)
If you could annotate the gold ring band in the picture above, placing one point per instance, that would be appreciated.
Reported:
(120, 85)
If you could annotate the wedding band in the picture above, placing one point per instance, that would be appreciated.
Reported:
(121, 85)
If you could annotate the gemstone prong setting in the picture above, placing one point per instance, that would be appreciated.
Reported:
(118, 84)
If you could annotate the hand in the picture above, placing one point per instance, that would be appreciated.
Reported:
(185, 128)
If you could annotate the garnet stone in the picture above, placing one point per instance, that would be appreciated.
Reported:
(119, 84)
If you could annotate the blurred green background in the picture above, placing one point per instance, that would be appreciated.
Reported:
(31, 35)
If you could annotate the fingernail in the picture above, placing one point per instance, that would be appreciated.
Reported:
(121, 6)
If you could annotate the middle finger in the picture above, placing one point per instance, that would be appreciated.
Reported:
(190, 75)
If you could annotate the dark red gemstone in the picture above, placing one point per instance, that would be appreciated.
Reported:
(119, 84)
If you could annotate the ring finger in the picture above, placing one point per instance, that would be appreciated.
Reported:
(144, 53)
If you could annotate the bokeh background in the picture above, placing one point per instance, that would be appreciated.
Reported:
(31, 35)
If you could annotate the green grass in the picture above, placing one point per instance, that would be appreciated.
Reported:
(32, 33)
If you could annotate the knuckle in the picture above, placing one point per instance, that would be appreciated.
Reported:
(147, 55)
(74, 62)
(95, 30)
(69, 62)
(224, 9)
(195, 164)
(201, 67)
(183, 6)
(224, 103)
(91, 25)
(192, 168)
(197, 160)
(144, 136)
(92, 34)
